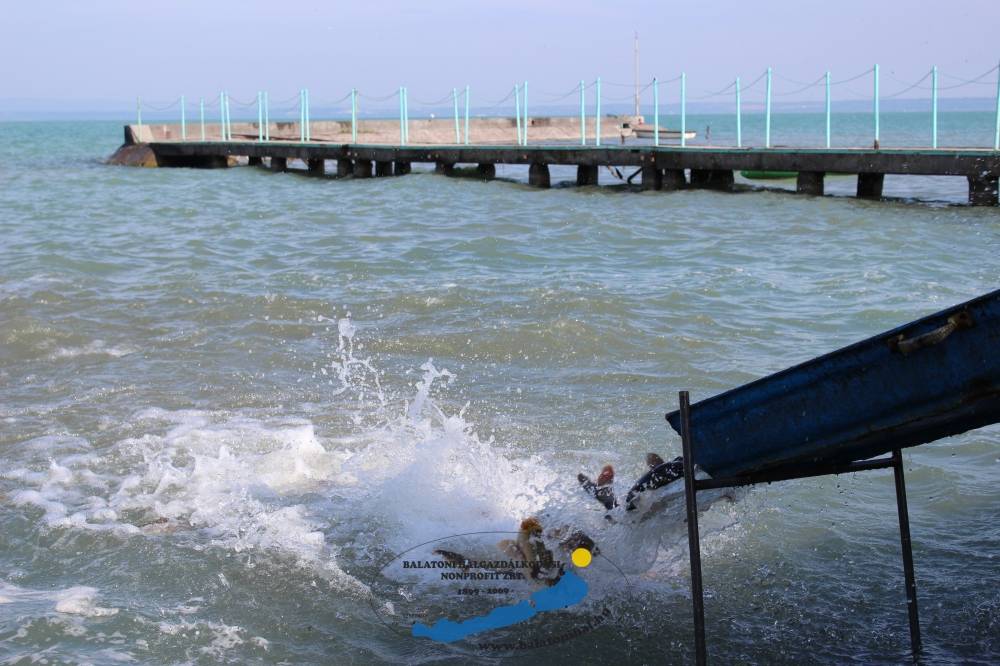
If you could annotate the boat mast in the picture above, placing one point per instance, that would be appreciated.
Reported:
(637, 72)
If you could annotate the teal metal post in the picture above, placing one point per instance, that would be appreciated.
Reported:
(308, 120)
(767, 112)
(138, 115)
(934, 88)
(201, 113)
(406, 114)
(354, 115)
(656, 112)
(302, 115)
(466, 115)
(875, 108)
(222, 116)
(267, 117)
(229, 120)
(184, 127)
(260, 116)
(683, 109)
(583, 116)
(524, 125)
(597, 116)
(996, 131)
(828, 109)
(517, 111)
(458, 132)
(739, 116)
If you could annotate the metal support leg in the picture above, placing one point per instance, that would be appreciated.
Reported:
(904, 538)
(691, 501)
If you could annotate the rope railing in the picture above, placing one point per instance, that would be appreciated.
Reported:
(518, 96)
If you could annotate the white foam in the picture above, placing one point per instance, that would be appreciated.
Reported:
(81, 600)
(94, 348)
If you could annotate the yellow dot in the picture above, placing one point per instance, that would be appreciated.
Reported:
(581, 557)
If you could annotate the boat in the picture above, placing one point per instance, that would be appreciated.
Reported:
(768, 175)
(646, 131)
(931, 378)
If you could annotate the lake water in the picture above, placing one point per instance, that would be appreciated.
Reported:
(223, 402)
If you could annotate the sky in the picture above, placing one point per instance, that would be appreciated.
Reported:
(100, 54)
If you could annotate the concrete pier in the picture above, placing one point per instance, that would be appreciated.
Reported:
(870, 185)
(983, 190)
(362, 168)
(663, 167)
(810, 182)
(383, 168)
(538, 175)
(586, 174)
(316, 166)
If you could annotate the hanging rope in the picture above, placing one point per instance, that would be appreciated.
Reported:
(977, 80)
(628, 97)
(153, 107)
(910, 87)
(714, 94)
(334, 102)
(436, 103)
(384, 98)
(853, 78)
(804, 87)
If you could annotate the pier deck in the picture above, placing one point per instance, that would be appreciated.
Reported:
(662, 167)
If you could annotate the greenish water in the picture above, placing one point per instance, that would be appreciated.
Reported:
(219, 413)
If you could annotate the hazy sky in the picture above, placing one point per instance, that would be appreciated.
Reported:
(109, 51)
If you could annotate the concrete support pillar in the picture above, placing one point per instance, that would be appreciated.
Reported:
(586, 174)
(652, 177)
(402, 168)
(712, 179)
(383, 169)
(344, 168)
(317, 167)
(673, 179)
(444, 168)
(487, 171)
(983, 190)
(538, 175)
(255, 161)
(870, 185)
(810, 182)
(362, 168)
(279, 164)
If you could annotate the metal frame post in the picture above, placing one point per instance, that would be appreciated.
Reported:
(597, 116)
(934, 98)
(458, 131)
(683, 109)
(875, 103)
(308, 120)
(267, 118)
(406, 114)
(517, 111)
(302, 115)
(739, 116)
(201, 115)
(828, 109)
(184, 127)
(907, 547)
(996, 131)
(354, 115)
(694, 543)
(466, 115)
(656, 112)
(260, 116)
(767, 112)
(222, 116)
(402, 133)
(583, 116)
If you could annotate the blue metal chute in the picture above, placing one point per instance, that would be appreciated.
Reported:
(932, 378)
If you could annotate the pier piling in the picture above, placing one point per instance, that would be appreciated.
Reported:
(586, 174)
(254, 160)
(487, 171)
(344, 168)
(401, 168)
(652, 177)
(673, 179)
(870, 185)
(317, 167)
(712, 179)
(538, 175)
(810, 182)
(444, 168)
(383, 169)
(362, 168)
(279, 164)
(983, 190)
